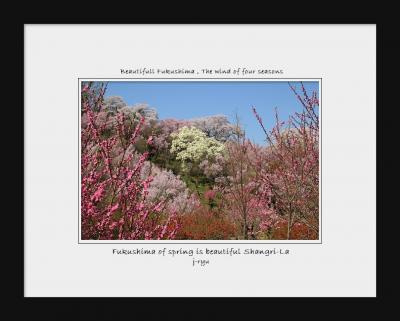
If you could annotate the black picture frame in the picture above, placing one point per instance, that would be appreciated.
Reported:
(283, 308)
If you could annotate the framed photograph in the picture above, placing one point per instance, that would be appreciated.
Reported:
(213, 173)
(166, 161)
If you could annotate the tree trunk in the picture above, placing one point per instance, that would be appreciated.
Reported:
(288, 226)
(245, 234)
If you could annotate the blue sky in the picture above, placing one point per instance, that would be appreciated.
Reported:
(190, 99)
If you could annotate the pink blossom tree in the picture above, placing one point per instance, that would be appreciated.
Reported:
(215, 126)
(246, 201)
(289, 167)
(170, 190)
(113, 194)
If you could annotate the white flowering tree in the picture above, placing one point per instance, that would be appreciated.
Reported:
(192, 146)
